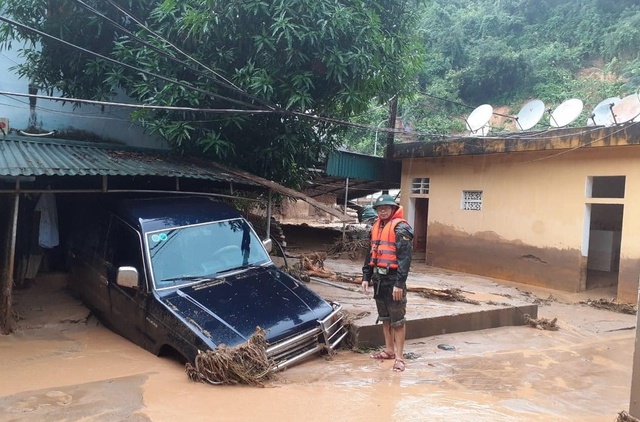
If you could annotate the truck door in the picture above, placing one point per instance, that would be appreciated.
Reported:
(128, 306)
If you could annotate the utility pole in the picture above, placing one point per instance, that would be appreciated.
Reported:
(393, 112)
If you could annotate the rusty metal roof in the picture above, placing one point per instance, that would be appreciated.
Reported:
(20, 156)
(29, 156)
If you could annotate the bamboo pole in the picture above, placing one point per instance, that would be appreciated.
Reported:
(6, 279)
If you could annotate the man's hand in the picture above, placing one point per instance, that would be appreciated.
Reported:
(365, 287)
(397, 293)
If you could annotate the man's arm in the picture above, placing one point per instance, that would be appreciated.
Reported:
(404, 252)
(367, 271)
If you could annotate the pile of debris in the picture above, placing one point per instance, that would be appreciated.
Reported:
(247, 363)
(542, 323)
(354, 247)
(611, 305)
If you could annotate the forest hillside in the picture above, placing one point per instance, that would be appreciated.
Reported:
(505, 52)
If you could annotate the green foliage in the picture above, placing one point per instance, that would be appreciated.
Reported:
(301, 57)
(507, 51)
(623, 41)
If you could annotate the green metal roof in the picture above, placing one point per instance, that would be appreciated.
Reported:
(365, 167)
(20, 156)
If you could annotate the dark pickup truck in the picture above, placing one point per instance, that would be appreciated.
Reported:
(185, 274)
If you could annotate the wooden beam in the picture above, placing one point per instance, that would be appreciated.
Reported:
(284, 190)
(6, 278)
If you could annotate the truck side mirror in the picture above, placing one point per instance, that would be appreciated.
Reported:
(268, 245)
(127, 277)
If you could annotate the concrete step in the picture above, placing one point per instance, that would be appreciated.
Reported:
(496, 305)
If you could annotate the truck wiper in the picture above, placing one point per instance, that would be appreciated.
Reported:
(191, 278)
(241, 267)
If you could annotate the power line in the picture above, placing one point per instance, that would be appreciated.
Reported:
(186, 85)
(139, 106)
(211, 111)
(225, 82)
(109, 59)
(158, 36)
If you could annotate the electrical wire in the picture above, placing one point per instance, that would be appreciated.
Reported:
(272, 108)
(192, 109)
(158, 36)
(186, 85)
(225, 82)
(109, 59)
(138, 106)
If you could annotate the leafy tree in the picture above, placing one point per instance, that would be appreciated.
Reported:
(297, 58)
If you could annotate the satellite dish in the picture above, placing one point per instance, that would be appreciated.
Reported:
(479, 117)
(566, 113)
(530, 114)
(602, 114)
(626, 110)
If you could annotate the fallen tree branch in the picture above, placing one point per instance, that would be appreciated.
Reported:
(453, 295)
(247, 363)
(312, 265)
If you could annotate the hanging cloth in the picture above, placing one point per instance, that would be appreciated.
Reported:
(48, 234)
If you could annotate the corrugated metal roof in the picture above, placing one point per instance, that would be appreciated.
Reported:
(54, 157)
(358, 166)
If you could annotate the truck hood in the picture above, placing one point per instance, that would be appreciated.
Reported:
(228, 310)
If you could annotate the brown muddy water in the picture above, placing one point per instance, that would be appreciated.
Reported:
(61, 366)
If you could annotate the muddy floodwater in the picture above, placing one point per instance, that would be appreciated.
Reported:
(62, 366)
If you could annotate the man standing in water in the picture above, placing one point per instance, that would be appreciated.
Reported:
(386, 268)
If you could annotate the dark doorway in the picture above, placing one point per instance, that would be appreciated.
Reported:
(605, 233)
(421, 216)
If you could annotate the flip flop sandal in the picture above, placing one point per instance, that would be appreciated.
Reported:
(399, 365)
(383, 355)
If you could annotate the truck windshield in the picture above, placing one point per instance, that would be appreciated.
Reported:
(189, 254)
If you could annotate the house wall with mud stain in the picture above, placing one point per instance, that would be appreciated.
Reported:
(535, 221)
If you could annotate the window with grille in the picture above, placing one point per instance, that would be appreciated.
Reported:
(472, 200)
(420, 185)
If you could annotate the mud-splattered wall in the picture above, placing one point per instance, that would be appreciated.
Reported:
(534, 225)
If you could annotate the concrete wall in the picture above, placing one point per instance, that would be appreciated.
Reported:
(534, 223)
(112, 123)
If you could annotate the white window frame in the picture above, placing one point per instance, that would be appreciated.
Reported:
(471, 200)
(420, 186)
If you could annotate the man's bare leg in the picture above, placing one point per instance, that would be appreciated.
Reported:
(399, 334)
(398, 339)
(389, 337)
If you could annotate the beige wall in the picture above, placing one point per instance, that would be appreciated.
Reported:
(532, 225)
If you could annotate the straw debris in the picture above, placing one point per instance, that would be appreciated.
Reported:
(542, 323)
(611, 305)
(247, 363)
(452, 295)
(625, 417)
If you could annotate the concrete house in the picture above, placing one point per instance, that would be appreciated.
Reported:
(558, 209)
(29, 114)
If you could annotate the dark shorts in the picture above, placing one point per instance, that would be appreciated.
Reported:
(388, 309)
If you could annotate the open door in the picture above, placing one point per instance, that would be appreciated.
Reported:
(420, 218)
(605, 235)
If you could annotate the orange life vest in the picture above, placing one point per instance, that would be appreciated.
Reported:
(383, 242)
